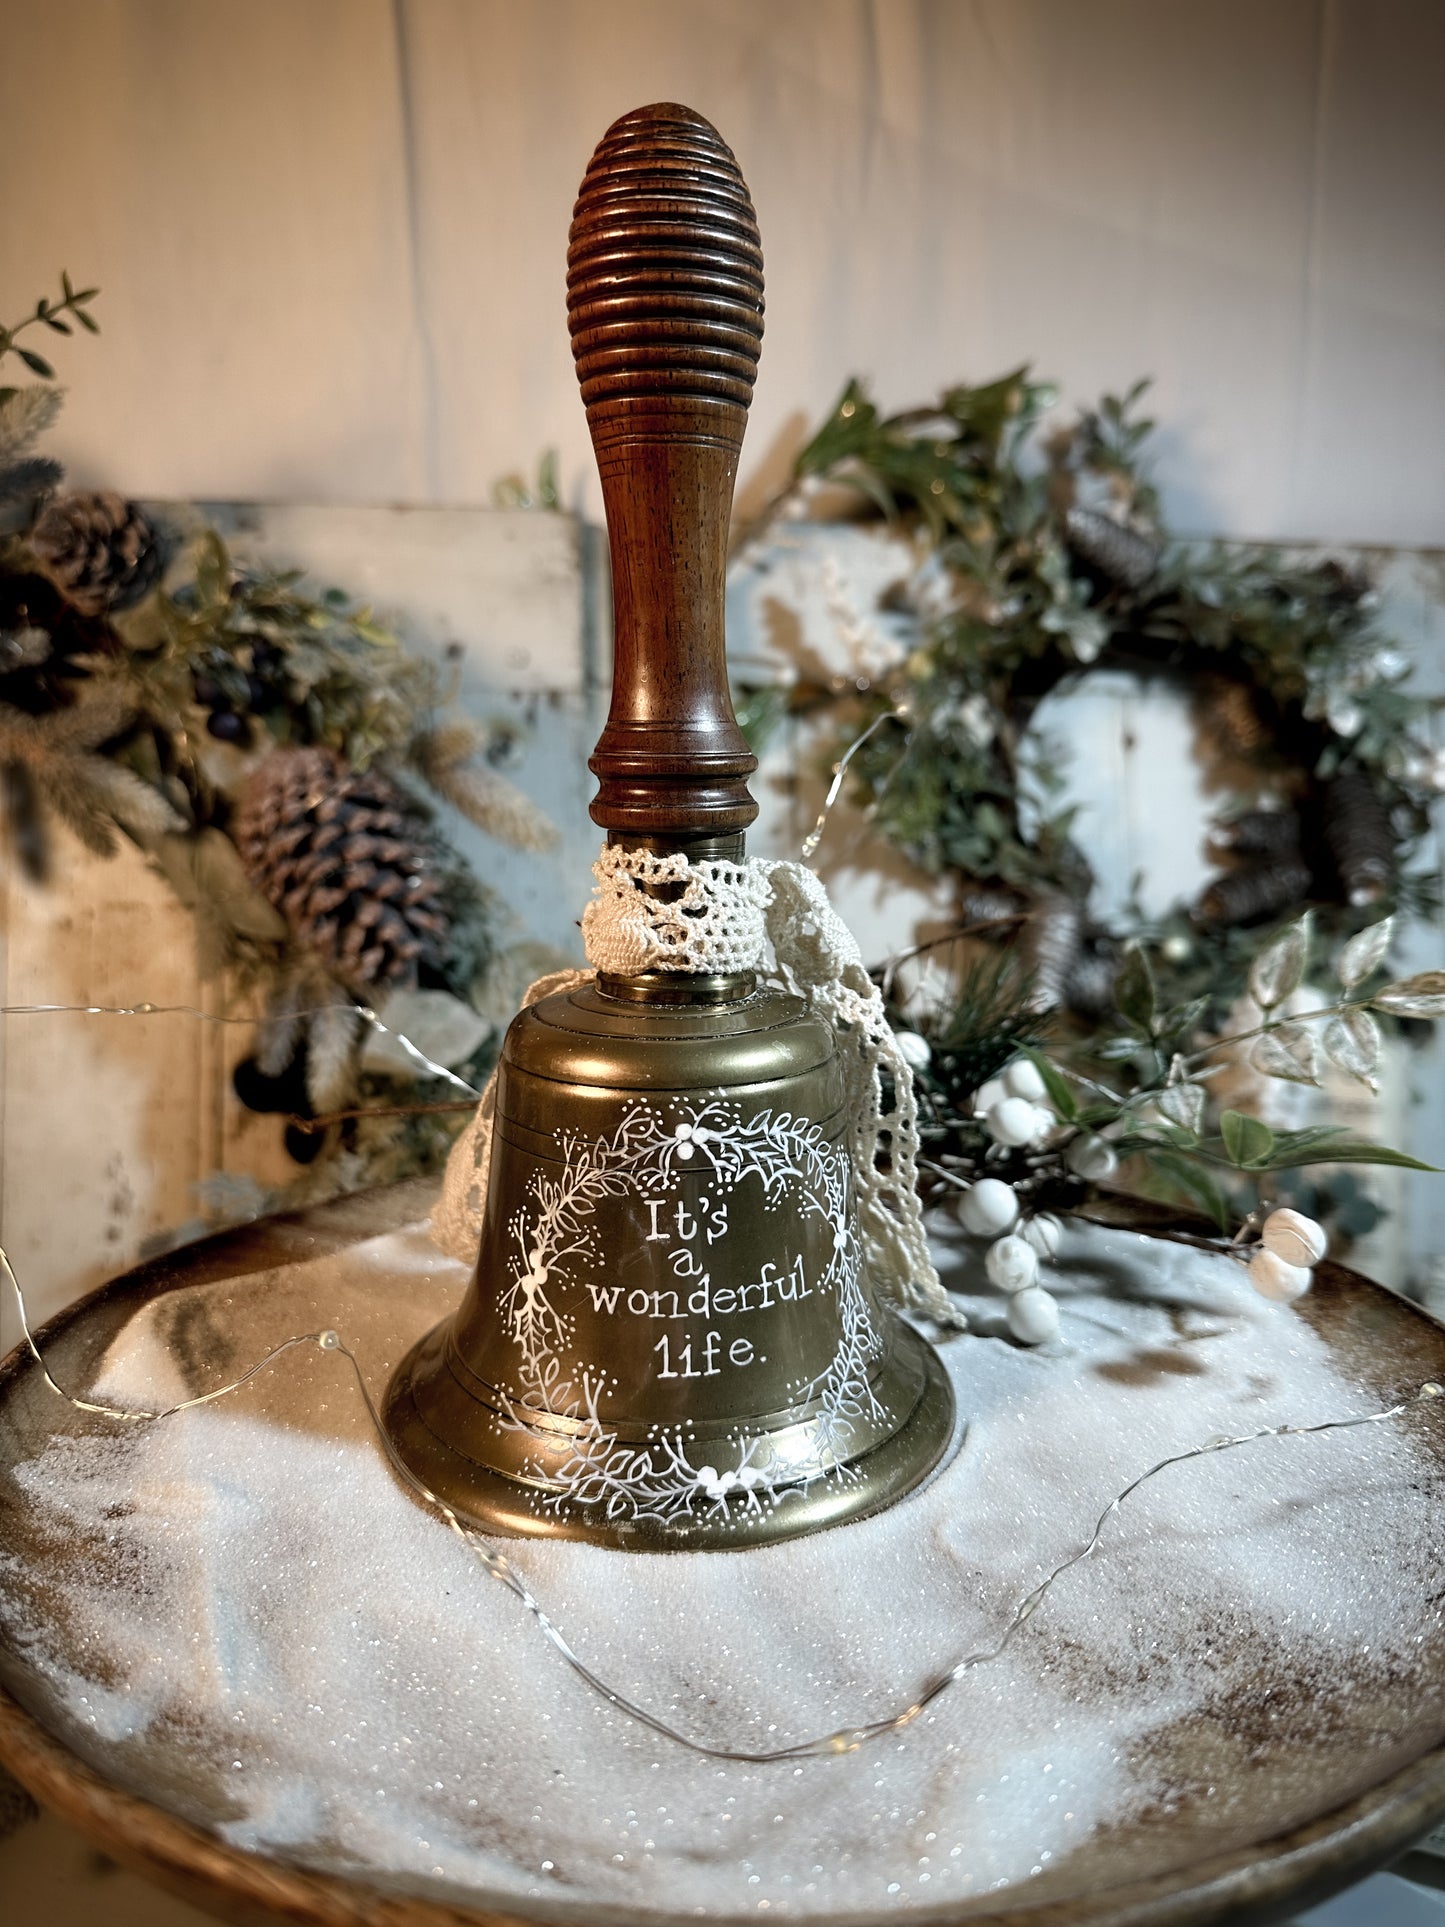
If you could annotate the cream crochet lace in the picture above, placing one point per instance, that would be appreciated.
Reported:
(774, 918)
(663, 913)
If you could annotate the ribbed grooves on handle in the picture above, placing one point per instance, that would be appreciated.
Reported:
(665, 270)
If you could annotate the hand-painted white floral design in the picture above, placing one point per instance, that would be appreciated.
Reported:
(554, 1235)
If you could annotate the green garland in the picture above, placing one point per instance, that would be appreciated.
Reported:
(149, 683)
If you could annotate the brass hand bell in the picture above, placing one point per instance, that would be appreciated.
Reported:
(671, 1338)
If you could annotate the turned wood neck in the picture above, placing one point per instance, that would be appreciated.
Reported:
(665, 301)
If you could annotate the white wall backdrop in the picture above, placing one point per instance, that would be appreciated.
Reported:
(330, 233)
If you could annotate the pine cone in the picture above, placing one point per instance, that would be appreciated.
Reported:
(1120, 554)
(100, 550)
(1259, 890)
(1050, 942)
(1361, 841)
(348, 860)
(1231, 711)
(1261, 833)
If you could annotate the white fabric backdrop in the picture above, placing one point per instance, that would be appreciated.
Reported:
(330, 233)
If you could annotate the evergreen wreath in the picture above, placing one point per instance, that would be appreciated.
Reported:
(1043, 556)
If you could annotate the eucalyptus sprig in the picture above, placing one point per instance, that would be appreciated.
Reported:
(1288, 1044)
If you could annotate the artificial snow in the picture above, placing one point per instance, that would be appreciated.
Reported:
(264, 1632)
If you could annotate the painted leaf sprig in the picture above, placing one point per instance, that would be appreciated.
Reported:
(1292, 1045)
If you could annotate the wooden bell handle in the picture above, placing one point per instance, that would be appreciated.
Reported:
(665, 308)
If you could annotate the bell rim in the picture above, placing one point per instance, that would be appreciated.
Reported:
(507, 1507)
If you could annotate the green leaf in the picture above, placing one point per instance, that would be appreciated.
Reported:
(1061, 1092)
(1343, 1149)
(1286, 1051)
(1364, 952)
(1247, 1140)
(986, 411)
(871, 485)
(37, 364)
(847, 430)
(1288, 1142)
(1279, 969)
(88, 322)
(1420, 996)
(1194, 1182)
(1183, 1020)
(1134, 989)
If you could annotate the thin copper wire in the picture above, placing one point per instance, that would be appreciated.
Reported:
(844, 1739)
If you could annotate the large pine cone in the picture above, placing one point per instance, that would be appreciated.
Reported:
(100, 550)
(348, 860)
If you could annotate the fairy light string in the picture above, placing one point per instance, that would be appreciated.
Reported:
(364, 1011)
(835, 786)
(496, 1564)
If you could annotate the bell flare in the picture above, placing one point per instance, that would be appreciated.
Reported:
(671, 1338)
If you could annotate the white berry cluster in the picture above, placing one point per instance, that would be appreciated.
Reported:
(1282, 1264)
(1015, 1116)
(1012, 1106)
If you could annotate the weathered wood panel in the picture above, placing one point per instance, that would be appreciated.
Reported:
(108, 1124)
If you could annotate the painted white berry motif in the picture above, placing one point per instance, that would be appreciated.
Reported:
(555, 1240)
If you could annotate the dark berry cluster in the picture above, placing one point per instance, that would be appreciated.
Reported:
(233, 694)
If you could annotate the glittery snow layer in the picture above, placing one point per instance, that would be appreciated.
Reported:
(267, 1635)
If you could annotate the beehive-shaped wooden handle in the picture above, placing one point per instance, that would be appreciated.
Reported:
(665, 306)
